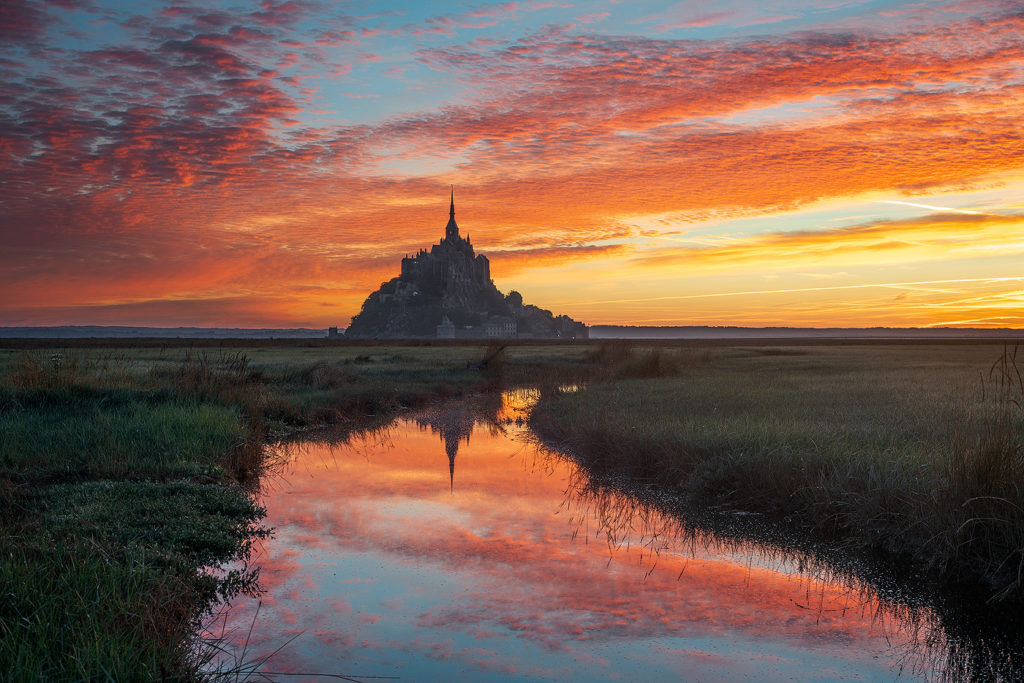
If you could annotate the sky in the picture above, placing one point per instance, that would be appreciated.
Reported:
(268, 164)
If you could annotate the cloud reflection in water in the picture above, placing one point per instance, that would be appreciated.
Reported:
(389, 560)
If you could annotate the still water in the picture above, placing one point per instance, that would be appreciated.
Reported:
(447, 546)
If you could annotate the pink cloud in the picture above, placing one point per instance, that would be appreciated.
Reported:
(21, 21)
(697, 20)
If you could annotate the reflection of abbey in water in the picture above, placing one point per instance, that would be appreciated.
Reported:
(447, 292)
(454, 427)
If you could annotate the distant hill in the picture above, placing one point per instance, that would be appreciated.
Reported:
(709, 332)
(124, 332)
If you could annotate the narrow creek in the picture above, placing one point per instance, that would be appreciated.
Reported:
(449, 546)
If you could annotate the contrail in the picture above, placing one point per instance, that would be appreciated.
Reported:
(800, 289)
(936, 208)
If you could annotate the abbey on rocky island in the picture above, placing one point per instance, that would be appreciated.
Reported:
(447, 292)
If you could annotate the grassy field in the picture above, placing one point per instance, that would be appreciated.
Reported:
(913, 450)
(125, 472)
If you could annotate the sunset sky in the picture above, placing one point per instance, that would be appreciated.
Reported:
(268, 164)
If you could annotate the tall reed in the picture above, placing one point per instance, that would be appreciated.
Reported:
(981, 500)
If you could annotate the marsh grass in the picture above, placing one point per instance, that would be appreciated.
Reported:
(894, 449)
(981, 492)
(630, 360)
(213, 524)
(224, 378)
(80, 610)
(65, 369)
(70, 612)
(115, 484)
(85, 435)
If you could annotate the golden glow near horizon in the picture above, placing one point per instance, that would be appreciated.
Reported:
(243, 166)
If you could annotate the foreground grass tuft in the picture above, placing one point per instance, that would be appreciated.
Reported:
(70, 612)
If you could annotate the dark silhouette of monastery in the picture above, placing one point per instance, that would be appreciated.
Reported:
(447, 292)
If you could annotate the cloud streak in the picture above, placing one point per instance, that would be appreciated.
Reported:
(932, 237)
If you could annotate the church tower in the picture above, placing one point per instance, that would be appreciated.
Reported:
(451, 231)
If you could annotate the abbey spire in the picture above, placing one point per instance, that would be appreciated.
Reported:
(451, 231)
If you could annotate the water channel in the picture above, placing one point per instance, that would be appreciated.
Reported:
(448, 546)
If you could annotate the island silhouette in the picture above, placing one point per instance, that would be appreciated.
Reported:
(446, 292)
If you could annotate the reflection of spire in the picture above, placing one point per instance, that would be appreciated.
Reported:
(454, 428)
(451, 447)
(454, 424)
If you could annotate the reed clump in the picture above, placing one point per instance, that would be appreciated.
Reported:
(226, 378)
(981, 493)
(628, 360)
(492, 365)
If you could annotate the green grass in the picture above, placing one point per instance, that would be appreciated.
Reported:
(114, 498)
(903, 449)
(208, 528)
(118, 435)
(70, 612)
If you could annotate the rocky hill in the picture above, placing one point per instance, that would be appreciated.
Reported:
(447, 292)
